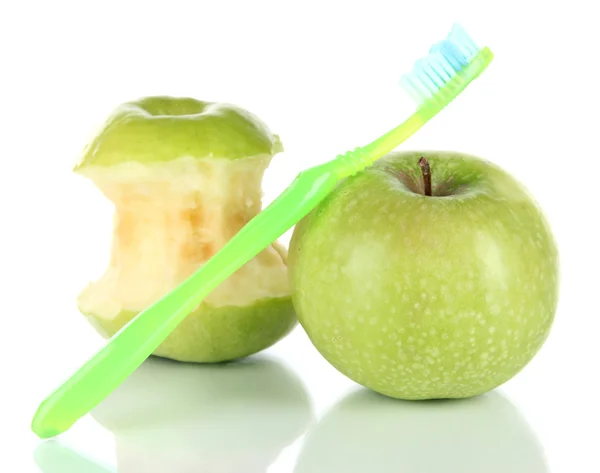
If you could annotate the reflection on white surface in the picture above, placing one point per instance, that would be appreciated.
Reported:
(52, 457)
(368, 432)
(183, 418)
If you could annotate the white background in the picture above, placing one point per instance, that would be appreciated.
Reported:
(324, 76)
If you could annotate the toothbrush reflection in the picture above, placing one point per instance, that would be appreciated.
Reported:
(52, 457)
(368, 432)
(183, 418)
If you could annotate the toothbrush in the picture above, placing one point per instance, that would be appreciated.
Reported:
(433, 83)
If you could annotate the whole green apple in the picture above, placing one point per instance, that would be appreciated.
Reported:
(421, 296)
(184, 177)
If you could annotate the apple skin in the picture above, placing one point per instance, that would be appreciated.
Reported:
(424, 297)
(162, 128)
(215, 334)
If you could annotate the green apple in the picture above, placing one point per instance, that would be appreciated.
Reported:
(184, 176)
(421, 296)
(368, 432)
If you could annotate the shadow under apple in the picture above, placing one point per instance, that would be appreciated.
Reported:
(180, 418)
(369, 432)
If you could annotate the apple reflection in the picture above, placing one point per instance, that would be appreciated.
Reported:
(369, 432)
(182, 418)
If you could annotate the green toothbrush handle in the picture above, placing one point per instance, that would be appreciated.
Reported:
(135, 342)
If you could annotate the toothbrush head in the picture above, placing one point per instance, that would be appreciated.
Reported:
(450, 66)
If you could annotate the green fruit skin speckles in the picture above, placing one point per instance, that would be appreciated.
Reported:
(421, 297)
(215, 334)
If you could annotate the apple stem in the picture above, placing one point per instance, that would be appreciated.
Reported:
(425, 169)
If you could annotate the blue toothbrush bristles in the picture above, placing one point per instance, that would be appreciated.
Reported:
(463, 41)
(445, 59)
